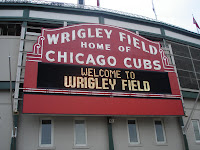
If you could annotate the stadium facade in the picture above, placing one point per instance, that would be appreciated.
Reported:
(85, 77)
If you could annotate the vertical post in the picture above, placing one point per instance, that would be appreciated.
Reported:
(184, 136)
(13, 140)
(110, 136)
(18, 74)
(65, 23)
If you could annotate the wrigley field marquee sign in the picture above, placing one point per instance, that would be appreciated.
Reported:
(101, 66)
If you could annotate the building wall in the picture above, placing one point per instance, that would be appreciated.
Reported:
(9, 46)
(97, 133)
(189, 103)
(147, 134)
(5, 120)
(29, 127)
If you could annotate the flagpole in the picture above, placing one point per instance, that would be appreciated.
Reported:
(195, 24)
(98, 3)
(154, 10)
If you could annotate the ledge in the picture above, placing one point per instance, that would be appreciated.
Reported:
(80, 147)
(46, 148)
(135, 145)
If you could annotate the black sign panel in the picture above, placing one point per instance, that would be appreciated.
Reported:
(72, 77)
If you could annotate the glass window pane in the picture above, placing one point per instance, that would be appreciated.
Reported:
(133, 137)
(196, 129)
(159, 131)
(80, 132)
(46, 132)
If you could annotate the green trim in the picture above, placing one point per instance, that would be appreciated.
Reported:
(181, 123)
(16, 116)
(26, 13)
(5, 85)
(182, 41)
(162, 31)
(101, 20)
(11, 19)
(180, 120)
(13, 143)
(110, 136)
(52, 21)
(185, 142)
(24, 24)
(189, 94)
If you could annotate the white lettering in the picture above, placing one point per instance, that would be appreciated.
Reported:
(53, 38)
(100, 60)
(65, 36)
(108, 33)
(157, 65)
(90, 59)
(125, 62)
(147, 64)
(47, 56)
(113, 59)
(62, 56)
(77, 58)
(99, 33)
(122, 36)
(153, 50)
(81, 33)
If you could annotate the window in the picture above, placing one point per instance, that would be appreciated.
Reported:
(195, 124)
(7, 29)
(46, 133)
(133, 132)
(80, 133)
(159, 131)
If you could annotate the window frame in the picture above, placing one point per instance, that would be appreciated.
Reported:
(163, 130)
(80, 145)
(137, 131)
(52, 133)
(198, 141)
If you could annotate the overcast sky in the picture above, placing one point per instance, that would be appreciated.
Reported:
(174, 12)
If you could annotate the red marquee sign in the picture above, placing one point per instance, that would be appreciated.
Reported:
(74, 68)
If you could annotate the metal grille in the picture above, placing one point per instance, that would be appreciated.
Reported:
(187, 60)
(183, 63)
(180, 50)
(195, 53)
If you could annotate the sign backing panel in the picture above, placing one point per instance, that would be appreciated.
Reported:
(94, 60)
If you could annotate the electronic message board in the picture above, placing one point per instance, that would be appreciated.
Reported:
(95, 65)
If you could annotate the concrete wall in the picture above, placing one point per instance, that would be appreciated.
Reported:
(133, 26)
(147, 135)
(97, 133)
(9, 45)
(61, 16)
(28, 133)
(188, 103)
(5, 120)
(11, 13)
